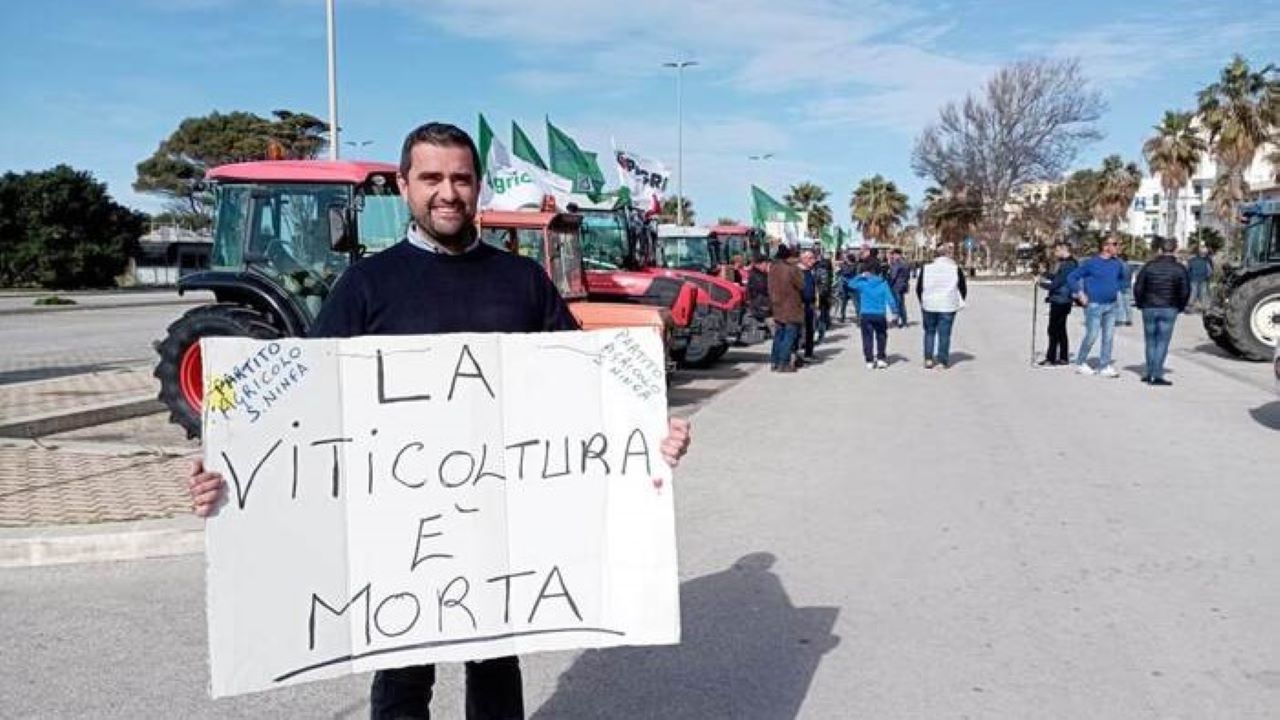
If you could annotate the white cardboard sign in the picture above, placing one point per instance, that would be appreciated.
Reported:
(404, 500)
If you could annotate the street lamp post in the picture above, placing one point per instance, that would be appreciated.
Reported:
(333, 84)
(679, 68)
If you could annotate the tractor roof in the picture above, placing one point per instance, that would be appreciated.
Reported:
(523, 218)
(311, 171)
(733, 230)
(683, 231)
(1261, 207)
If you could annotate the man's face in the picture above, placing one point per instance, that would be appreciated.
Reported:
(807, 259)
(441, 189)
(1203, 250)
(1109, 248)
(1062, 252)
(866, 253)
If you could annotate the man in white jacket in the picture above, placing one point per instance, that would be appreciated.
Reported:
(941, 290)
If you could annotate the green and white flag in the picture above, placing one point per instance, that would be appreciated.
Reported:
(645, 179)
(570, 161)
(776, 219)
(511, 183)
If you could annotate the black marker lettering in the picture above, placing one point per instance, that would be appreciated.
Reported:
(465, 476)
(477, 375)
(564, 593)
(395, 466)
(418, 557)
(522, 446)
(242, 495)
(382, 387)
(546, 460)
(643, 452)
(591, 452)
(506, 582)
(337, 460)
(377, 614)
(444, 601)
(315, 600)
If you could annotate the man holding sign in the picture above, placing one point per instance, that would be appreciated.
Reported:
(440, 279)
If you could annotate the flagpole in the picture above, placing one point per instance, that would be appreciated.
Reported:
(679, 68)
(333, 84)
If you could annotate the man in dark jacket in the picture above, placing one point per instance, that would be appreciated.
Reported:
(899, 283)
(786, 285)
(809, 295)
(823, 273)
(1200, 268)
(1161, 292)
(758, 291)
(847, 271)
(1060, 303)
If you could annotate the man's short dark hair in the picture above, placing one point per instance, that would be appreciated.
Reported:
(440, 135)
(759, 258)
(1169, 245)
(783, 252)
(895, 251)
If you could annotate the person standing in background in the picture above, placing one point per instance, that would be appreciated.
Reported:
(1060, 303)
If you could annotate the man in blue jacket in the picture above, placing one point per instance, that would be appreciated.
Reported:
(875, 300)
(1096, 285)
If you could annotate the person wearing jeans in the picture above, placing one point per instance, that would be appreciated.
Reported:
(937, 338)
(941, 289)
(1162, 291)
(786, 289)
(1099, 319)
(876, 300)
(1097, 284)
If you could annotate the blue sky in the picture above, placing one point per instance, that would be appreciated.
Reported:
(836, 90)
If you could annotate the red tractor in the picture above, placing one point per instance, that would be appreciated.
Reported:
(694, 254)
(620, 269)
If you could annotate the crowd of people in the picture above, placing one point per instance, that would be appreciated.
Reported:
(797, 289)
(1101, 285)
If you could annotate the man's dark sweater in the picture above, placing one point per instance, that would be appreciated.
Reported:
(406, 290)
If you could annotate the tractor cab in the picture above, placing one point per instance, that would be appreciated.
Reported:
(739, 243)
(285, 230)
(551, 239)
(689, 248)
(1261, 234)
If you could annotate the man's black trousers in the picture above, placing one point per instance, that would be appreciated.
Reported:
(1059, 347)
(494, 691)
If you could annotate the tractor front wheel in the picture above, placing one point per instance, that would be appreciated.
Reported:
(180, 371)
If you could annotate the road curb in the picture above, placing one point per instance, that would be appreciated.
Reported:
(34, 426)
(102, 542)
(37, 309)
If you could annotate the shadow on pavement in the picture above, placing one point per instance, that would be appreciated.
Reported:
(746, 652)
(1140, 370)
(11, 377)
(1212, 349)
(1267, 415)
(961, 357)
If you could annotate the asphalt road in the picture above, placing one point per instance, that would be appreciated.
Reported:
(52, 343)
(991, 541)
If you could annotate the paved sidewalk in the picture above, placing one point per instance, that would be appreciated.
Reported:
(43, 397)
(44, 487)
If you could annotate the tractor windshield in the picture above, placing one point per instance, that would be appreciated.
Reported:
(604, 241)
(566, 261)
(1261, 240)
(382, 217)
(686, 252)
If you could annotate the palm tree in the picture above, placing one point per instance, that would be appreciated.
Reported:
(1173, 153)
(877, 207)
(669, 210)
(810, 198)
(950, 213)
(1241, 112)
(1117, 184)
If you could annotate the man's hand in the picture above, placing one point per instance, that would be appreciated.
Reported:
(206, 489)
(676, 444)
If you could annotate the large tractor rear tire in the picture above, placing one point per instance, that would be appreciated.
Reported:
(1253, 317)
(180, 371)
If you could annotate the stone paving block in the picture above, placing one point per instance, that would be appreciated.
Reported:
(50, 487)
(66, 394)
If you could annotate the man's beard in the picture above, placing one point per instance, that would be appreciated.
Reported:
(455, 242)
